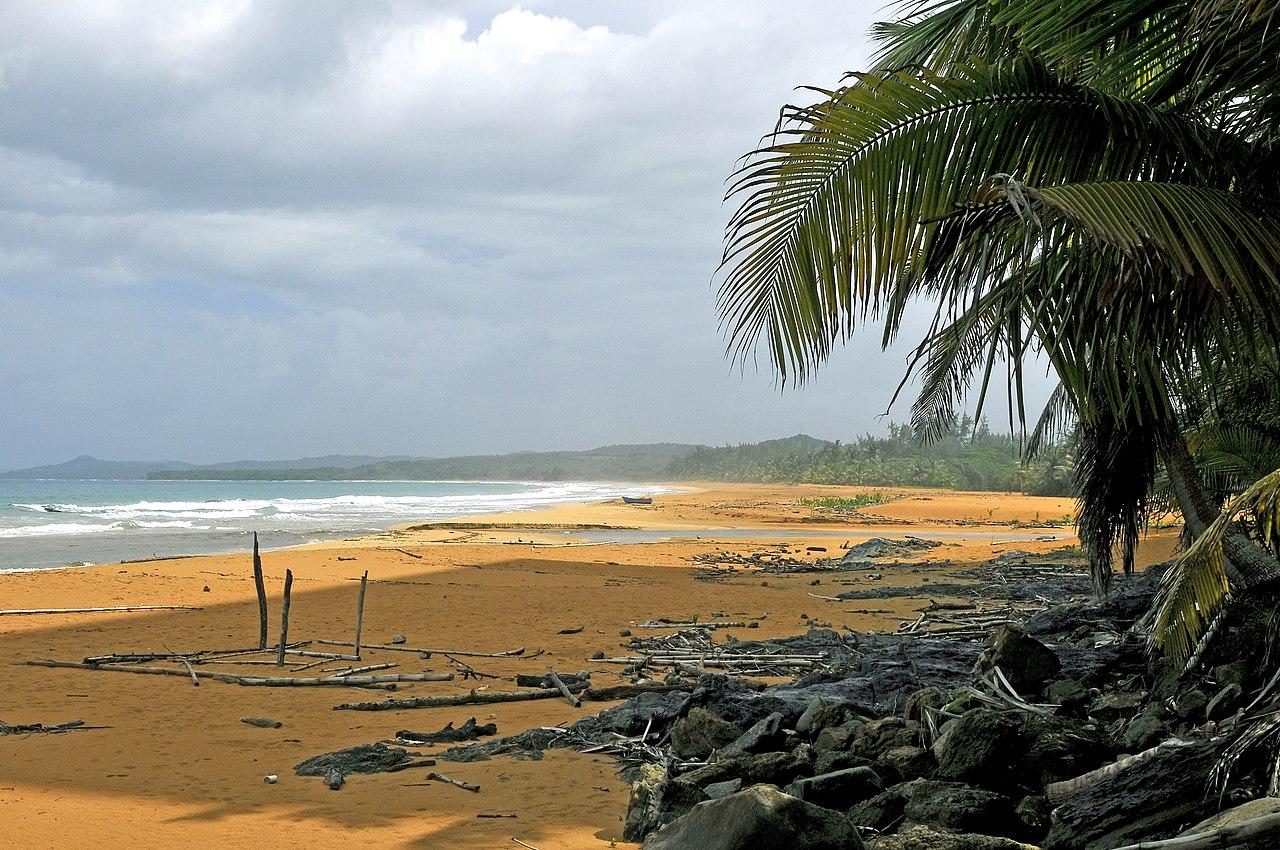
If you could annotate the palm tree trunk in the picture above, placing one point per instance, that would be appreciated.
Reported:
(1247, 564)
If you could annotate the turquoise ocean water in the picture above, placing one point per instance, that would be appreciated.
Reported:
(49, 523)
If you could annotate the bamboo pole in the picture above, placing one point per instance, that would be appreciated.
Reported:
(364, 583)
(267, 681)
(284, 618)
(262, 594)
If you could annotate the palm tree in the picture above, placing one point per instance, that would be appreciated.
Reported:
(1092, 183)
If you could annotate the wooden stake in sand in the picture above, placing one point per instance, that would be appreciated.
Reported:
(364, 583)
(262, 594)
(284, 618)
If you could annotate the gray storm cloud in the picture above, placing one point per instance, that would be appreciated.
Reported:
(390, 227)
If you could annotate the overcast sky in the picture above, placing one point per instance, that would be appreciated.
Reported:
(271, 229)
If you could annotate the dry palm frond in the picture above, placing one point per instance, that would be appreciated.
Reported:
(1196, 586)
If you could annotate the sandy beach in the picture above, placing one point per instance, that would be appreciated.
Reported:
(176, 767)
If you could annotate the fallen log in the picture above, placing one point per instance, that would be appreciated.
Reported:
(487, 697)
(33, 611)
(1057, 792)
(266, 681)
(1217, 839)
(42, 729)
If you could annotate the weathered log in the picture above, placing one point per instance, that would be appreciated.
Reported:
(1057, 792)
(1217, 839)
(190, 670)
(261, 588)
(615, 692)
(41, 728)
(563, 688)
(33, 611)
(284, 618)
(262, 722)
(267, 681)
(458, 783)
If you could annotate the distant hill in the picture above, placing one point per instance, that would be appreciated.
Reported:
(623, 462)
(86, 466)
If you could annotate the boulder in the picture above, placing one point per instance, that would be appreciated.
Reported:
(699, 733)
(1146, 729)
(906, 763)
(1224, 702)
(1025, 662)
(1034, 812)
(881, 813)
(829, 762)
(881, 735)
(644, 811)
(981, 747)
(924, 838)
(716, 790)
(922, 699)
(759, 818)
(765, 735)
(821, 714)
(1059, 748)
(837, 790)
(957, 807)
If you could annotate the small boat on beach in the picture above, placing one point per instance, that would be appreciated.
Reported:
(638, 500)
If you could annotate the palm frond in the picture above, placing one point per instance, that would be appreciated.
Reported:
(1196, 585)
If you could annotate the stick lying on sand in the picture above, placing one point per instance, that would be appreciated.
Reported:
(40, 728)
(13, 611)
(487, 697)
(399, 647)
(267, 681)
(440, 777)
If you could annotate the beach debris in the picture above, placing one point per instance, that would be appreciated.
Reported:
(525, 680)
(482, 697)
(271, 779)
(523, 844)
(44, 729)
(261, 589)
(571, 630)
(284, 619)
(346, 557)
(563, 688)
(407, 552)
(496, 815)
(262, 722)
(448, 780)
(364, 758)
(468, 731)
(36, 611)
(398, 639)
(265, 681)
(427, 653)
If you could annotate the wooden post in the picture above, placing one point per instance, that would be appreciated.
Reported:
(284, 618)
(262, 594)
(364, 581)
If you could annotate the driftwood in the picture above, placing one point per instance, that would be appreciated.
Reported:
(32, 611)
(191, 670)
(487, 697)
(399, 647)
(42, 729)
(440, 777)
(284, 618)
(364, 584)
(1057, 792)
(571, 630)
(1217, 839)
(468, 731)
(262, 722)
(407, 552)
(261, 588)
(267, 681)
(564, 689)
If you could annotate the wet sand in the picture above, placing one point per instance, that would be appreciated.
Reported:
(178, 768)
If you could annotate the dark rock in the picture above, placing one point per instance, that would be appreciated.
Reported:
(1068, 693)
(837, 790)
(365, 758)
(1232, 673)
(1150, 799)
(1114, 705)
(924, 838)
(1034, 811)
(1025, 662)
(959, 808)
(831, 761)
(981, 747)
(1224, 702)
(881, 813)
(1059, 748)
(821, 714)
(922, 699)
(772, 768)
(759, 818)
(879, 736)
(835, 738)
(644, 811)
(1146, 729)
(764, 735)
(699, 733)
(1191, 705)
(880, 547)
(716, 790)
(468, 731)
(907, 763)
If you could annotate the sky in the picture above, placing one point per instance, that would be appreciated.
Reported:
(245, 229)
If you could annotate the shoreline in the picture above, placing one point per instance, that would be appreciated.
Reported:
(178, 768)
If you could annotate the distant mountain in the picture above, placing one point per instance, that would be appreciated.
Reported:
(327, 461)
(647, 462)
(86, 466)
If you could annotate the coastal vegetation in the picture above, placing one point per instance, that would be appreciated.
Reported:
(1091, 187)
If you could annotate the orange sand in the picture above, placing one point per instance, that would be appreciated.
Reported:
(177, 768)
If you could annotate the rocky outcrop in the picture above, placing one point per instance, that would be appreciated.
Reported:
(759, 818)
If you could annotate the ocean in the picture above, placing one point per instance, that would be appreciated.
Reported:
(48, 523)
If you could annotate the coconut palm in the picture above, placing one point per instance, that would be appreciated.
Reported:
(1094, 184)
